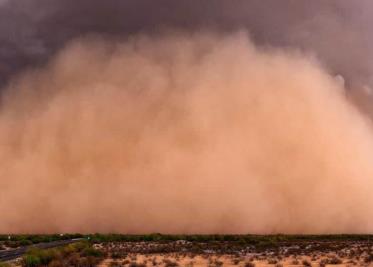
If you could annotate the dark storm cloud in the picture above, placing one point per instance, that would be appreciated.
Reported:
(337, 31)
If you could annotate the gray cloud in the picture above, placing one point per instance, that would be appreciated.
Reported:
(338, 32)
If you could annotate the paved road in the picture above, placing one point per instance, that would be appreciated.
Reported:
(18, 252)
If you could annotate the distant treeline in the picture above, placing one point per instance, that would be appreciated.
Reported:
(24, 240)
(248, 239)
(251, 239)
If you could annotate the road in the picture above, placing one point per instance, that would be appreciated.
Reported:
(18, 252)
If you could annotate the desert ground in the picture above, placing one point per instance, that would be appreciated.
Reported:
(212, 251)
(183, 253)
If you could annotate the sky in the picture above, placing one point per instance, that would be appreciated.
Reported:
(186, 116)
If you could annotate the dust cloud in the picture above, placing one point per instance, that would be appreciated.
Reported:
(183, 133)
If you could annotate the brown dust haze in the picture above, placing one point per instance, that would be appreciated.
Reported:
(183, 133)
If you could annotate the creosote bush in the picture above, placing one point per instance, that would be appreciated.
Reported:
(80, 254)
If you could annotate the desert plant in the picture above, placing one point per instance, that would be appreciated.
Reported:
(31, 261)
(56, 263)
(154, 262)
(334, 260)
(135, 264)
(115, 264)
(116, 255)
(236, 261)
(295, 262)
(368, 258)
(306, 263)
(90, 251)
(215, 263)
(169, 263)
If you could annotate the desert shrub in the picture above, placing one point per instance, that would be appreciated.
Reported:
(84, 262)
(265, 244)
(116, 255)
(115, 264)
(73, 259)
(12, 244)
(44, 256)
(306, 263)
(74, 248)
(295, 262)
(49, 255)
(56, 263)
(79, 255)
(90, 251)
(69, 249)
(31, 261)
(135, 264)
(236, 261)
(79, 246)
(87, 262)
(93, 261)
(169, 263)
(334, 260)
(331, 261)
(368, 258)
(4, 264)
(154, 262)
(25, 242)
(249, 264)
(215, 263)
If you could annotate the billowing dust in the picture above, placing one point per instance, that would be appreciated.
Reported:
(183, 133)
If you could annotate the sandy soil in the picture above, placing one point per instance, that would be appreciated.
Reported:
(219, 260)
(184, 254)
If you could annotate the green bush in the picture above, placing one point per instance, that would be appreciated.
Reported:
(92, 252)
(44, 256)
(31, 261)
(25, 242)
(73, 248)
(80, 246)
(80, 254)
